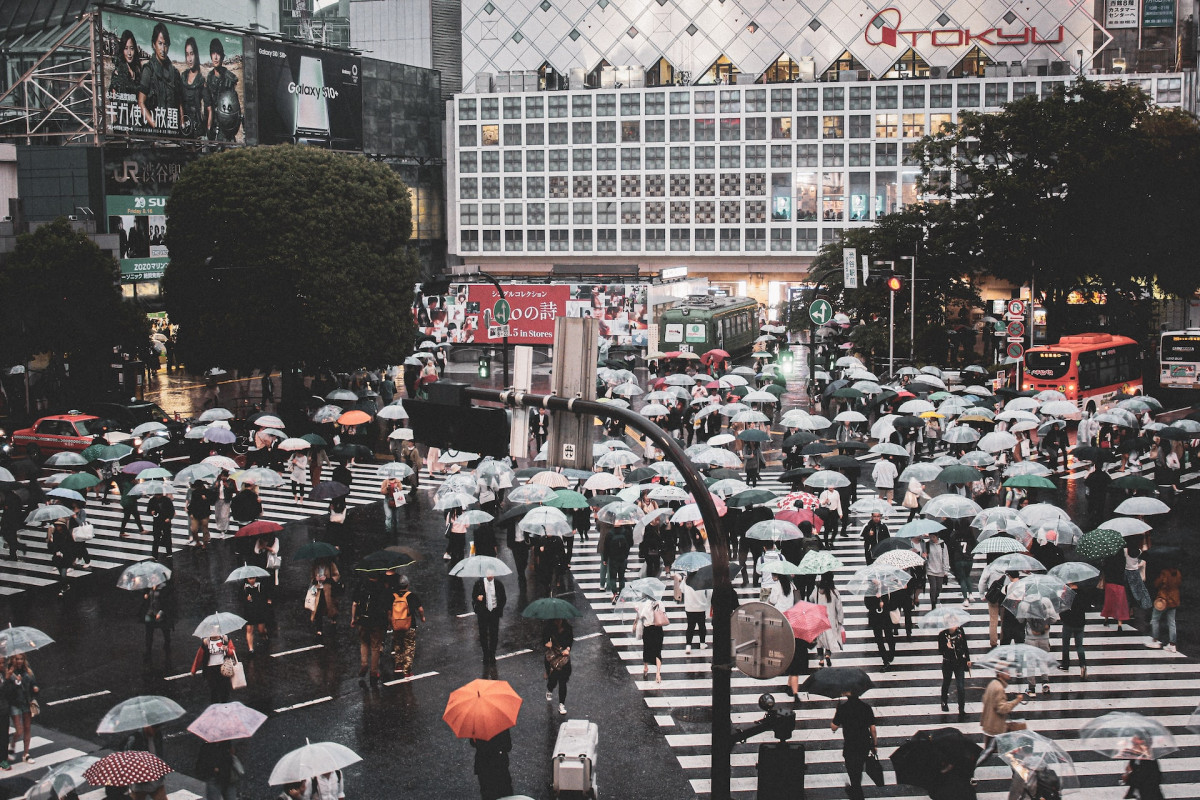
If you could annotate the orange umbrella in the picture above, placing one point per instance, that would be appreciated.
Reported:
(482, 709)
(354, 417)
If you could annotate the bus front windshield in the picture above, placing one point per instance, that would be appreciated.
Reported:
(1181, 347)
(1047, 365)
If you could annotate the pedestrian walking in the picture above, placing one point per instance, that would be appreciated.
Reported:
(199, 508)
(488, 598)
(1116, 604)
(1134, 566)
(994, 716)
(617, 545)
(1073, 621)
(224, 490)
(1166, 601)
(319, 601)
(829, 509)
(158, 610)
(148, 739)
(937, 566)
(370, 613)
(884, 476)
(697, 606)
(162, 513)
(752, 461)
(406, 608)
(650, 549)
(257, 611)
(129, 504)
(956, 660)
(218, 767)
(20, 691)
(265, 555)
(1142, 774)
(649, 626)
(856, 719)
(559, 636)
(63, 550)
(392, 490)
(914, 496)
(456, 537)
(11, 524)
(246, 506)
(962, 558)
(879, 617)
(491, 766)
(833, 640)
(874, 532)
(210, 657)
(326, 786)
(297, 469)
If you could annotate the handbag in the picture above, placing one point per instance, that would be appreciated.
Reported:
(557, 659)
(873, 768)
(238, 680)
(35, 708)
(228, 666)
(337, 517)
(895, 616)
(1160, 603)
(274, 560)
(311, 598)
(83, 533)
(910, 500)
(660, 617)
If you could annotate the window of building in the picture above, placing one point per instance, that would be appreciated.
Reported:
(806, 196)
(706, 157)
(468, 188)
(756, 129)
(466, 109)
(558, 132)
(490, 188)
(656, 239)
(606, 132)
(490, 135)
(1170, 90)
(756, 239)
(860, 98)
(536, 213)
(995, 94)
(631, 159)
(941, 95)
(656, 158)
(781, 155)
(512, 108)
(582, 214)
(581, 133)
(831, 235)
(756, 156)
(533, 108)
(806, 99)
(490, 161)
(558, 105)
(806, 155)
(806, 127)
(781, 197)
(535, 133)
(681, 239)
(631, 239)
(631, 131)
(886, 199)
(512, 135)
(860, 126)
(513, 240)
(558, 160)
(654, 104)
(535, 241)
(606, 159)
(833, 155)
(560, 239)
(705, 130)
(469, 241)
(781, 127)
(731, 101)
(833, 196)
(468, 136)
(469, 214)
(512, 161)
(558, 214)
(606, 239)
(512, 186)
(886, 126)
(914, 126)
(513, 214)
(731, 157)
(968, 95)
(679, 130)
(731, 239)
(886, 96)
(833, 98)
(467, 162)
(606, 105)
(706, 239)
(681, 158)
(489, 108)
(581, 105)
(535, 160)
(885, 154)
(860, 195)
(535, 187)
(806, 240)
(781, 239)
(656, 130)
(781, 99)
(914, 96)
(756, 100)
(936, 121)
(1048, 88)
(1024, 89)
(731, 129)
(860, 154)
(833, 127)
(681, 103)
(705, 102)
(631, 213)
(581, 160)
(491, 214)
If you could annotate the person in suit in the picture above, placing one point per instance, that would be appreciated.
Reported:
(487, 600)
(873, 533)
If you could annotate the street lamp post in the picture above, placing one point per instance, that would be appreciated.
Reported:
(891, 265)
(471, 269)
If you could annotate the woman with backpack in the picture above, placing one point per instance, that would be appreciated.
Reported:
(406, 607)
(649, 626)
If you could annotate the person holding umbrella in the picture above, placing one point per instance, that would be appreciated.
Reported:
(993, 719)
(210, 657)
(956, 659)
(324, 576)
(199, 508)
(158, 611)
(649, 626)
(20, 690)
(217, 765)
(256, 607)
(1166, 601)
(827, 595)
(559, 636)
(874, 532)
(224, 490)
(1142, 774)
(488, 599)
(370, 613)
(859, 738)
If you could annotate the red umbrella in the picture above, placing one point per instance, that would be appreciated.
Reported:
(672, 354)
(259, 528)
(798, 515)
(713, 356)
(712, 385)
(808, 620)
(797, 499)
(126, 768)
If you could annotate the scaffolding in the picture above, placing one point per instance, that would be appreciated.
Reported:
(55, 100)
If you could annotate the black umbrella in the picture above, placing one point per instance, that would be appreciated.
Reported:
(852, 444)
(329, 490)
(833, 387)
(841, 462)
(347, 451)
(516, 512)
(892, 543)
(923, 759)
(640, 475)
(1093, 454)
(316, 550)
(836, 681)
(702, 578)
(908, 423)
(795, 475)
(918, 387)
(799, 439)
(718, 474)
(1173, 434)
(528, 472)
(601, 500)
(816, 449)
(383, 561)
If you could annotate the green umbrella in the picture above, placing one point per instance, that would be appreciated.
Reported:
(79, 482)
(750, 497)
(740, 391)
(314, 440)
(106, 452)
(551, 608)
(783, 568)
(567, 499)
(957, 473)
(848, 393)
(1099, 544)
(1134, 483)
(1030, 482)
(818, 562)
(754, 435)
(775, 389)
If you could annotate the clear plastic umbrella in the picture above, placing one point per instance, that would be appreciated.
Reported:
(1027, 752)
(1142, 506)
(996, 441)
(44, 514)
(918, 527)
(1037, 513)
(531, 493)
(615, 514)
(923, 471)
(1016, 562)
(1126, 526)
(139, 712)
(773, 530)
(877, 581)
(951, 506)
(871, 505)
(395, 469)
(943, 617)
(142, 576)
(960, 434)
(818, 562)
(825, 479)
(998, 544)
(1128, 735)
(648, 588)
(224, 722)
(451, 500)
(479, 566)
(1018, 660)
(311, 760)
(62, 780)
(1074, 572)
(218, 624)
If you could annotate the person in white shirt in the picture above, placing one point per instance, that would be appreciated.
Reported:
(829, 509)
(696, 605)
(937, 566)
(884, 475)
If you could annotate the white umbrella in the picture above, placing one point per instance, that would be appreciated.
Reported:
(996, 441)
(654, 410)
(602, 482)
(951, 506)
(311, 760)
(850, 416)
(393, 411)
(750, 417)
(292, 444)
(215, 414)
(1126, 526)
(721, 439)
(218, 624)
(916, 407)
(760, 397)
(269, 421)
(1141, 506)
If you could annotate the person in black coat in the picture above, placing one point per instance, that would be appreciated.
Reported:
(485, 540)
(879, 618)
(487, 600)
(162, 512)
(491, 766)
(158, 612)
(956, 659)
(873, 533)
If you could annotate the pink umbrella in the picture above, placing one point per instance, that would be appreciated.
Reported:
(808, 620)
(794, 499)
(718, 502)
(222, 722)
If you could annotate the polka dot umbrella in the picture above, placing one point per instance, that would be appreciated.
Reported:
(125, 768)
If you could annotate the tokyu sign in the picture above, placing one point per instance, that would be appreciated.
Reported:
(886, 29)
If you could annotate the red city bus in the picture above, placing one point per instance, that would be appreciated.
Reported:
(1091, 369)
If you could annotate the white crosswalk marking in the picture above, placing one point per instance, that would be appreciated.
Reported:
(1122, 674)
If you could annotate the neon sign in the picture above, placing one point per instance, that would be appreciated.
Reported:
(890, 34)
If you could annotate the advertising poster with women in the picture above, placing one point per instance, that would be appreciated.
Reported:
(163, 79)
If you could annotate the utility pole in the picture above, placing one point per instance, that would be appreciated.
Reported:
(912, 307)
(473, 269)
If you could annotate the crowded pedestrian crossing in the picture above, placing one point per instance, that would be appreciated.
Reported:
(1123, 674)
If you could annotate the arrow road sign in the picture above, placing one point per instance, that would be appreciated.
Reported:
(820, 311)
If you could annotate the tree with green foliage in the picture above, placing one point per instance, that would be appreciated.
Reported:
(290, 256)
(928, 232)
(1092, 189)
(62, 299)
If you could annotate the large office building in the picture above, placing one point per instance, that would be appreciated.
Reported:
(736, 137)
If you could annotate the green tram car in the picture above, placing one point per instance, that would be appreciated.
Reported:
(702, 323)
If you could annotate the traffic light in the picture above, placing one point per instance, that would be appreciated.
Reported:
(895, 283)
(485, 366)
(786, 359)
